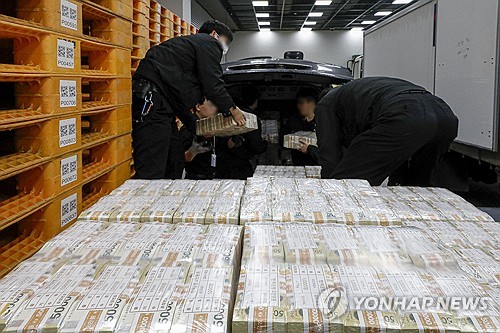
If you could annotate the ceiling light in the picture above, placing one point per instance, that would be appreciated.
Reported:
(310, 23)
(260, 3)
(357, 29)
(315, 14)
(401, 2)
(264, 23)
(265, 29)
(368, 22)
(322, 3)
(306, 29)
(383, 13)
(262, 14)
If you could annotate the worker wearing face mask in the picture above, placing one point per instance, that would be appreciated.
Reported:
(379, 127)
(169, 81)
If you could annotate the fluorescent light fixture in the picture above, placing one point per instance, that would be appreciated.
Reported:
(322, 3)
(260, 3)
(401, 2)
(262, 14)
(310, 23)
(315, 14)
(265, 29)
(368, 22)
(306, 29)
(264, 23)
(357, 29)
(383, 13)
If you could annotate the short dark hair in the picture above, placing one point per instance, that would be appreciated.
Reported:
(249, 95)
(307, 93)
(219, 27)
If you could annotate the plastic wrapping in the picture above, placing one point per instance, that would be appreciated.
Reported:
(162, 210)
(221, 246)
(263, 244)
(206, 301)
(102, 210)
(224, 210)
(378, 279)
(180, 245)
(132, 210)
(192, 210)
(303, 244)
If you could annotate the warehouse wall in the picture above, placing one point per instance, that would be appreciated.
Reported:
(324, 46)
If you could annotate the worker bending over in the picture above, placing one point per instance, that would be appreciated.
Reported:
(306, 105)
(169, 81)
(371, 127)
(235, 154)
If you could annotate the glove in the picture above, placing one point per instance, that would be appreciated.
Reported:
(198, 147)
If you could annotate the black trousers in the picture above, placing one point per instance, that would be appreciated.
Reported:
(151, 138)
(411, 134)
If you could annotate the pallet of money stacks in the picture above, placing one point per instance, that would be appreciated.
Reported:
(297, 139)
(193, 210)
(205, 301)
(181, 244)
(309, 289)
(47, 309)
(231, 188)
(303, 244)
(315, 206)
(102, 209)
(130, 187)
(424, 251)
(261, 298)
(256, 205)
(263, 244)
(152, 305)
(224, 210)
(162, 210)
(220, 247)
(345, 245)
(270, 130)
(279, 171)
(313, 171)
(225, 126)
(20, 285)
(132, 210)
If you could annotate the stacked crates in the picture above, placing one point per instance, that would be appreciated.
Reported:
(65, 117)
(153, 24)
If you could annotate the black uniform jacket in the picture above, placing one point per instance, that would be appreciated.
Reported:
(299, 158)
(235, 163)
(186, 69)
(350, 110)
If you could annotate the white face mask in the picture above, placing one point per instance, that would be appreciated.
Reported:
(223, 44)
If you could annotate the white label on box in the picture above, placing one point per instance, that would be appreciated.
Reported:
(111, 284)
(67, 93)
(57, 289)
(67, 132)
(69, 210)
(65, 54)
(69, 15)
(338, 238)
(308, 283)
(157, 290)
(262, 286)
(206, 290)
(263, 235)
(69, 168)
(300, 237)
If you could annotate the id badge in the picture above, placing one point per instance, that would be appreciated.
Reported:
(213, 161)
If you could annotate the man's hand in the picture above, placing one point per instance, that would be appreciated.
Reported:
(238, 116)
(200, 147)
(304, 147)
